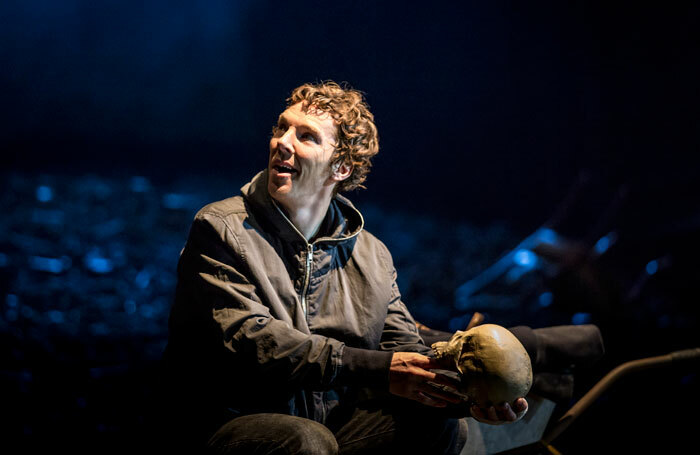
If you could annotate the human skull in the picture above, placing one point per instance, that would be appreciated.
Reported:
(494, 366)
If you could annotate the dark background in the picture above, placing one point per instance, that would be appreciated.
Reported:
(120, 118)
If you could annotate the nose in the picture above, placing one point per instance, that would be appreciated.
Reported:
(286, 141)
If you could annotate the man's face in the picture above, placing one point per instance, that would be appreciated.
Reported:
(301, 147)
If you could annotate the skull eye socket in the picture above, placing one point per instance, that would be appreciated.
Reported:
(465, 345)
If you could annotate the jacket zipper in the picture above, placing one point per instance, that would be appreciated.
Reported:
(307, 276)
(309, 257)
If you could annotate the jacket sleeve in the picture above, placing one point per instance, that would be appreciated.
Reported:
(400, 333)
(215, 278)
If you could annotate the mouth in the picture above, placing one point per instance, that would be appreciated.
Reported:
(284, 169)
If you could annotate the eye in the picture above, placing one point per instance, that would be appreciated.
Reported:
(309, 137)
(279, 129)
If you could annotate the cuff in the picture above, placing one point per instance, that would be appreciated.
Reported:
(365, 367)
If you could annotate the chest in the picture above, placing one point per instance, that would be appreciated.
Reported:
(339, 291)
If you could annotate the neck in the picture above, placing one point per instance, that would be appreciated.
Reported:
(307, 218)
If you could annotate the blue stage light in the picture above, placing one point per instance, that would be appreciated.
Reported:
(547, 235)
(602, 245)
(525, 258)
(44, 193)
(56, 316)
(545, 299)
(51, 265)
(11, 300)
(143, 279)
(175, 201)
(98, 264)
(652, 267)
(581, 318)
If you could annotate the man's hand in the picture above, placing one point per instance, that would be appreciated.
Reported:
(409, 378)
(502, 413)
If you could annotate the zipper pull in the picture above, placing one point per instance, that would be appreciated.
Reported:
(309, 256)
(307, 277)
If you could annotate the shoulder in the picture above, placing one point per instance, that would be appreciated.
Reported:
(369, 245)
(220, 220)
(225, 208)
(228, 212)
(371, 240)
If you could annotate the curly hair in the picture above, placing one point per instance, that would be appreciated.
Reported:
(357, 138)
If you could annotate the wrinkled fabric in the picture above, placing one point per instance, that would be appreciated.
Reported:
(272, 434)
(254, 329)
(387, 427)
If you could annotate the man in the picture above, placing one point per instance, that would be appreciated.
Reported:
(288, 334)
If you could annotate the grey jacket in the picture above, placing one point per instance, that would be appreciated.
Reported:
(264, 321)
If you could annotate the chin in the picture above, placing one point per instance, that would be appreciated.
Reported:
(278, 192)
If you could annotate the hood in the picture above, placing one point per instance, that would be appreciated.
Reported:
(342, 221)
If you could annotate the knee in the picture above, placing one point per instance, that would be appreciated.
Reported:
(273, 434)
(311, 438)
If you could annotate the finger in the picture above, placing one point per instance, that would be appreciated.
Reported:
(419, 360)
(439, 393)
(446, 380)
(450, 390)
(428, 400)
(505, 412)
(491, 413)
(519, 405)
(480, 414)
(429, 362)
(417, 373)
(522, 412)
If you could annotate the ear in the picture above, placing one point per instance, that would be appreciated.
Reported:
(341, 171)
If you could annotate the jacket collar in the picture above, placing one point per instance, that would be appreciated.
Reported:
(342, 221)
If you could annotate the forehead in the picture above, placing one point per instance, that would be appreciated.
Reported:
(300, 115)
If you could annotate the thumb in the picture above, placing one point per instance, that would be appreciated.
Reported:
(415, 359)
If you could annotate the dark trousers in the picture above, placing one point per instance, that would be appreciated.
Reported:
(370, 428)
